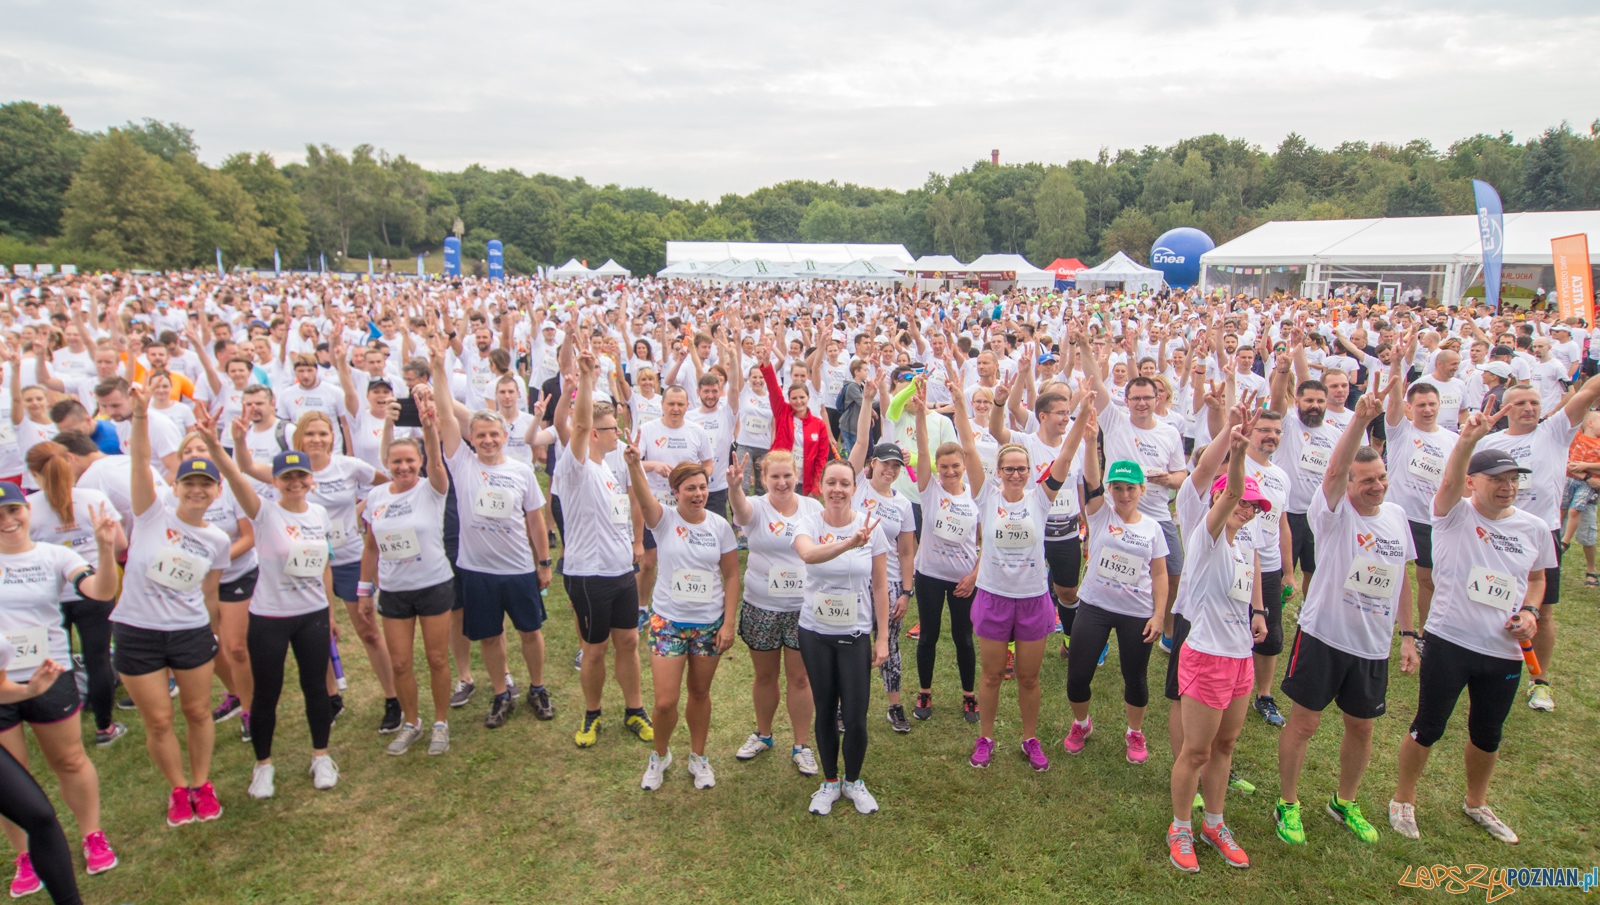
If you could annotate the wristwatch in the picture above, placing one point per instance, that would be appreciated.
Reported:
(1261, 613)
(1531, 609)
(1405, 634)
(545, 563)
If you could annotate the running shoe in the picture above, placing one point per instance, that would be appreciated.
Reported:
(805, 760)
(462, 693)
(261, 781)
(752, 746)
(230, 707)
(393, 719)
(1180, 849)
(640, 726)
(1078, 736)
(180, 808)
(1240, 784)
(577, 661)
(1539, 698)
(589, 732)
(206, 806)
(539, 700)
(106, 736)
(324, 773)
(1011, 665)
(969, 708)
(26, 882)
(915, 634)
(439, 743)
(743, 542)
(244, 728)
(126, 704)
(857, 792)
(1290, 827)
(97, 854)
(1220, 838)
(923, 708)
(1165, 646)
(821, 800)
(172, 687)
(982, 753)
(1268, 709)
(500, 711)
(1103, 651)
(1493, 825)
(700, 769)
(1066, 648)
(655, 770)
(1349, 814)
(336, 703)
(1035, 755)
(1403, 819)
(404, 739)
(1138, 752)
(897, 718)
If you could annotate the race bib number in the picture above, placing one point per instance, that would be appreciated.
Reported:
(1430, 468)
(493, 502)
(1449, 406)
(757, 424)
(788, 583)
(1065, 505)
(549, 364)
(177, 569)
(692, 585)
(8, 434)
(1013, 534)
(1372, 578)
(952, 527)
(480, 382)
(1122, 568)
(30, 646)
(1314, 459)
(1269, 521)
(1244, 581)
(665, 498)
(341, 534)
(1525, 484)
(1495, 589)
(621, 512)
(398, 545)
(306, 559)
(834, 609)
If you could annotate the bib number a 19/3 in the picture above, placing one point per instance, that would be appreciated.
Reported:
(1372, 578)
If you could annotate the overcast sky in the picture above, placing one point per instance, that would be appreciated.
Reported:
(698, 98)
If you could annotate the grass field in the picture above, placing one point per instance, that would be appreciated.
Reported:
(521, 815)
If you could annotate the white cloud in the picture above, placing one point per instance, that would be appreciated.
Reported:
(701, 98)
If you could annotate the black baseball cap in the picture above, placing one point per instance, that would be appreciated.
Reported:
(888, 452)
(1493, 462)
(287, 462)
(204, 467)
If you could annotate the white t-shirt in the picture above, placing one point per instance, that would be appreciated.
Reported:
(517, 438)
(1274, 485)
(755, 420)
(643, 410)
(1544, 450)
(367, 438)
(1304, 454)
(263, 446)
(898, 519)
(337, 486)
(775, 578)
(113, 476)
(689, 585)
(1219, 578)
(492, 501)
(168, 561)
(294, 555)
(1157, 450)
(1452, 396)
(226, 514)
(165, 438)
(1354, 607)
(295, 400)
(32, 586)
(838, 595)
(29, 434)
(599, 517)
(1119, 576)
(1012, 563)
(44, 527)
(408, 529)
(949, 545)
(1065, 507)
(1416, 462)
(719, 427)
(1485, 580)
(660, 443)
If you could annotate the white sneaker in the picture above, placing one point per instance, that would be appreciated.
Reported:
(1403, 819)
(700, 769)
(1494, 825)
(805, 760)
(324, 772)
(752, 746)
(440, 743)
(261, 786)
(404, 739)
(1539, 697)
(654, 771)
(857, 792)
(822, 799)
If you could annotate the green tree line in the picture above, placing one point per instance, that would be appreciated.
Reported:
(138, 195)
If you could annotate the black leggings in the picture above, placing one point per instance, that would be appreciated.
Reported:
(268, 640)
(840, 670)
(92, 619)
(1091, 630)
(932, 593)
(23, 803)
(1491, 684)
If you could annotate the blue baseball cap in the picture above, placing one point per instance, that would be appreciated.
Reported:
(204, 467)
(288, 462)
(11, 495)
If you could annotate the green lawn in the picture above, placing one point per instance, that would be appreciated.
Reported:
(521, 815)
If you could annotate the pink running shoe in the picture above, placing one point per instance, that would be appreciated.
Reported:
(1137, 752)
(982, 752)
(206, 805)
(26, 882)
(180, 808)
(1077, 736)
(1035, 755)
(97, 853)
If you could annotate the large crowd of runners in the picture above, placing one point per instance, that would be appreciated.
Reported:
(195, 470)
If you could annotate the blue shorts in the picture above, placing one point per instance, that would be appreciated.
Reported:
(488, 599)
(345, 580)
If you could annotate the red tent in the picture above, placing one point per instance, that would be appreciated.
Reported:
(1066, 268)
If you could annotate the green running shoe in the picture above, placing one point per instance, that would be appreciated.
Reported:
(1290, 829)
(1349, 814)
(1239, 783)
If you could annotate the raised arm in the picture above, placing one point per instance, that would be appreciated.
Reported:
(1238, 441)
(858, 452)
(428, 414)
(1088, 420)
(639, 485)
(969, 440)
(1454, 483)
(1091, 370)
(582, 411)
(244, 492)
(1094, 498)
(926, 466)
(141, 483)
(1337, 476)
(449, 424)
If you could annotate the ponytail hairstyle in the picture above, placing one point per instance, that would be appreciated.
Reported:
(48, 461)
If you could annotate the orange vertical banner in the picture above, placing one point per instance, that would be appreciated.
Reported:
(1573, 284)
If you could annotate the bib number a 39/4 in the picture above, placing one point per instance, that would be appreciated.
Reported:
(835, 609)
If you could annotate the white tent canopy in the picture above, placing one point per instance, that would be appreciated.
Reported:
(783, 252)
(612, 269)
(1027, 275)
(573, 268)
(938, 264)
(1119, 268)
(862, 272)
(1400, 240)
(754, 271)
(684, 270)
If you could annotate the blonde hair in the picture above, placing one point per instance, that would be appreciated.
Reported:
(1010, 448)
(307, 418)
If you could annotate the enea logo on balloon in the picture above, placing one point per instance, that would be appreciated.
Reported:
(1163, 255)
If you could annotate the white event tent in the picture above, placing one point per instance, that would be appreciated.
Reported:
(1002, 271)
(862, 272)
(784, 252)
(754, 271)
(612, 269)
(571, 270)
(1119, 268)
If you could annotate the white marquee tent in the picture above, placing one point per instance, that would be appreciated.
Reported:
(1025, 275)
(1119, 268)
(689, 270)
(571, 270)
(862, 272)
(783, 252)
(755, 271)
(612, 269)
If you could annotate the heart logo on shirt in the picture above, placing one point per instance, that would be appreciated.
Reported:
(775, 527)
(1366, 541)
(944, 503)
(682, 531)
(1115, 530)
(174, 535)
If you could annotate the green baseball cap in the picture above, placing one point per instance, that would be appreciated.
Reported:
(1124, 471)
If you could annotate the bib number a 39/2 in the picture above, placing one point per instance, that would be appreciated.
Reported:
(835, 609)
(177, 569)
(493, 502)
(307, 559)
(29, 646)
(1496, 589)
(788, 583)
(693, 585)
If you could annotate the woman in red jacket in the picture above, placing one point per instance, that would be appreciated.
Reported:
(812, 445)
